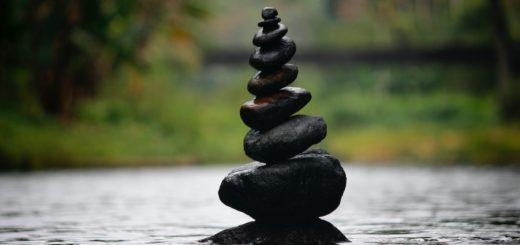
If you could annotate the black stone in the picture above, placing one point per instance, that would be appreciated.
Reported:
(268, 82)
(265, 112)
(269, 23)
(256, 233)
(269, 13)
(285, 140)
(274, 56)
(265, 37)
(305, 187)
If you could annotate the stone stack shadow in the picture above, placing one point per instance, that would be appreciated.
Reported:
(288, 185)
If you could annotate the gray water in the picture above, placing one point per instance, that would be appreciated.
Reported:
(403, 205)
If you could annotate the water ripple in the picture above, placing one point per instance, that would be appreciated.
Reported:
(381, 205)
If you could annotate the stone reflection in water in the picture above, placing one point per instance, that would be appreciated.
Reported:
(301, 233)
(289, 187)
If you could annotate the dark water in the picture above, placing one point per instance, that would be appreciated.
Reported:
(403, 205)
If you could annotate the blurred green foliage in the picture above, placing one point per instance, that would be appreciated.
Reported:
(55, 52)
(131, 87)
(365, 24)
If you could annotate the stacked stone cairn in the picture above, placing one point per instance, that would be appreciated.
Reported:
(288, 183)
(289, 187)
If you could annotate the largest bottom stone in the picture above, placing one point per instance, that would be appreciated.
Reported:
(305, 187)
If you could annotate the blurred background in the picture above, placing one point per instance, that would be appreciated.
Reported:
(132, 82)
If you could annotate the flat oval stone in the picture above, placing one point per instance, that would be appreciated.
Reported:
(266, 37)
(268, 82)
(269, 13)
(285, 140)
(269, 23)
(305, 187)
(265, 112)
(274, 56)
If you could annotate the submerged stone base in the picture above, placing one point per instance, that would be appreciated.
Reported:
(317, 232)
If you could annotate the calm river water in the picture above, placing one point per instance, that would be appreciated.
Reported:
(404, 205)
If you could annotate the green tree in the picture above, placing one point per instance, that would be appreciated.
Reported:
(507, 91)
(56, 52)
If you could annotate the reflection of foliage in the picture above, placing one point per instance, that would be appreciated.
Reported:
(59, 50)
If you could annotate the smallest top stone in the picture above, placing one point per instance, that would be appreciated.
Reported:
(269, 13)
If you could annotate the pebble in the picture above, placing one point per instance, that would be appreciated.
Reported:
(269, 13)
(265, 37)
(303, 188)
(285, 140)
(268, 82)
(263, 113)
(269, 23)
(274, 56)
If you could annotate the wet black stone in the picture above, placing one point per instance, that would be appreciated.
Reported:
(286, 139)
(269, 13)
(274, 56)
(268, 82)
(305, 187)
(256, 233)
(266, 37)
(265, 112)
(269, 23)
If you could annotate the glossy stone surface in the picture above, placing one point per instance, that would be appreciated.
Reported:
(266, 37)
(309, 233)
(285, 140)
(305, 187)
(274, 56)
(265, 112)
(268, 82)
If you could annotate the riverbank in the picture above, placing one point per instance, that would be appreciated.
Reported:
(41, 144)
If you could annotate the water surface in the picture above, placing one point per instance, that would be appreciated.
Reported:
(179, 205)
